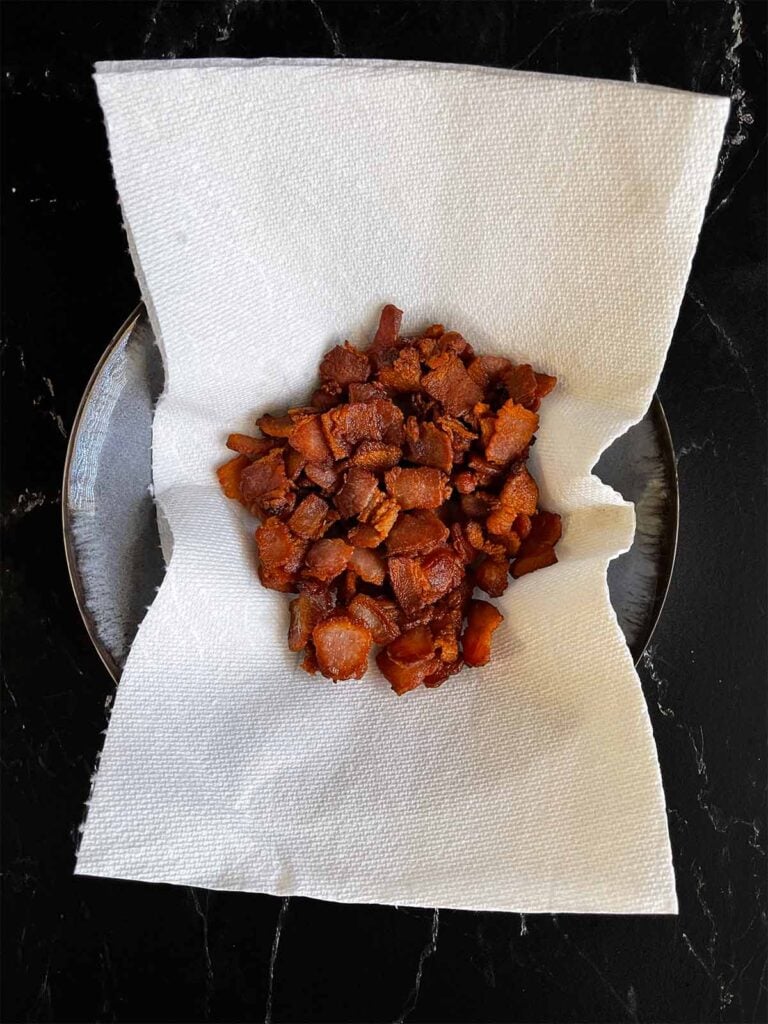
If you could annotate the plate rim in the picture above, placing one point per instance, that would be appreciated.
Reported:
(70, 552)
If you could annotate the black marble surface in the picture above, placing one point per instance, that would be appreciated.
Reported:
(80, 949)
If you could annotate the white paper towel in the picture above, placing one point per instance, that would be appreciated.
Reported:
(272, 208)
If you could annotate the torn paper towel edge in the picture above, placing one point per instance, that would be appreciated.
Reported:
(112, 68)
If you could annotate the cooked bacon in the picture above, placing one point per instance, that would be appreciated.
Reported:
(415, 533)
(428, 445)
(275, 426)
(311, 518)
(376, 456)
(405, 372)
(368, 565)
(451, 386)
(513, 428)
(327, 559)
(416, 488)
(356, 492)
(229, 476)
(344, 365)
(253, 447)
(388, 498)
(389, 326)
(518, 495)
(341, 648)
(482, 620)
(308, 438)
(492, 576)
(378, 614)
(413, 645)
(520, 382)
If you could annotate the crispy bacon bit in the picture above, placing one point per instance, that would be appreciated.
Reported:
(387, 499)
(356, 492)
(415, 533)
(308, 438)
(403, 678)
(389, 326)
(414, 645)
(405, 372)
(265, 480)
(368, 565)
(378, 614)
(513, 428)
(311, 518)
(416, 488)
(327, 559)
(229, 476)
(520, 382)
(376, 456)
(305, 613)
(482, 620)
(428, 445)
(345, 364)
(451, 386)
(275, 426)
(341, 648)
(519, 494)
(492, 576)
(253, 447)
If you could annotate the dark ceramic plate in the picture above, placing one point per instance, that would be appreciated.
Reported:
(111, 532)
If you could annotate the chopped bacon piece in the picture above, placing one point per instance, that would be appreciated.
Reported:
(308, 438)
(229, 476)
(451, 386)
(482, 620)
(294, 462)
(364, 536)
(465, 482)
(377, 614)
(492, 576)
(327, 559)
(405, 372)
(416, 533)
(409, 583)
(518, 495)
(537, 557)
(520, 382)
(428, 445)
(305, 614)
(389, 326)
(444, 670)
(391, 419)
(366, 392)
(341, 648)
(346, 586)
(486, 370)
(376, 456)
(311, 518)
(442, 570)
(264, 479)
(461, 437)
(461, 545)
(344, 365)
(513, 428)
(275, 426)
(326, 397)
(368, 565)
(323, 476)
(356, 492)
(544, 384)
(405, 677)
(380, 514)
(486, 473)
(544, 528)
(416, 488)
(253, 447)
(413, 645)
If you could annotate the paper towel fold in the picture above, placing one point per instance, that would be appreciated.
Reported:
(272, 208)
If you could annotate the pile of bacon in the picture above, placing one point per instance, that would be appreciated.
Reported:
(388, 499)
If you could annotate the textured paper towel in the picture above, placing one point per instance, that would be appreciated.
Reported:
(272, 208)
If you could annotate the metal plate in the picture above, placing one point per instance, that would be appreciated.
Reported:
(110, 523)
